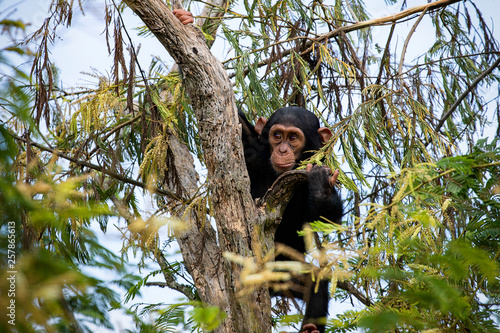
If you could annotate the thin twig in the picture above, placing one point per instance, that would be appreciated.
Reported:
(351, 11)
(105, 171)
(165, 266)
(407, 41)
(359, 26)
(170, 281)
(347, 286)
(464, 94)
(114, 129)
(385, 56)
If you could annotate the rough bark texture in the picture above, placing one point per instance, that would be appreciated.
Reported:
(198, 242)
(273, 204)
(212, 99)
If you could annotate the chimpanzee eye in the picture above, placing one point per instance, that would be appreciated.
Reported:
(277, 135)
(292, 138)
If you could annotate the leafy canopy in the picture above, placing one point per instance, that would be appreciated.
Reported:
(408, 98)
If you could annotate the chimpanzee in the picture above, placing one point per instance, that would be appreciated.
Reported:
(273, 147)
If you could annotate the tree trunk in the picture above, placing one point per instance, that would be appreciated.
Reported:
(212, 99)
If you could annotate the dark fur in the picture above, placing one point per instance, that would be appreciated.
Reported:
(312, 200)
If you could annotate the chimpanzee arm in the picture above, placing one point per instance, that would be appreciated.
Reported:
(256, 158)
(323, 199)
(250, 140)
(248, 130)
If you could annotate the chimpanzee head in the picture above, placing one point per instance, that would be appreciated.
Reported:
(292, 135)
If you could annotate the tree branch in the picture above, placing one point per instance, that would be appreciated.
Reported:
(464, 94)
(388, 19)
(105, 171)
(213, 102)
(279, 194)
(347, 286)
(359, 26)
(165, 267)
(407, 41)
(170, 281)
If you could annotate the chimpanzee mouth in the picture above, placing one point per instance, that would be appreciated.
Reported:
(284, 167)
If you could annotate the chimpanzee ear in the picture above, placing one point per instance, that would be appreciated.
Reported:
(325, 134)
(259, 125)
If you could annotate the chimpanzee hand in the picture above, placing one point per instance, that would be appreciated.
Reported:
(184, 16)
(321, 181)
(324, 200)
(309, 328)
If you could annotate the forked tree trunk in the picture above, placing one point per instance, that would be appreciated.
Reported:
(212, 99)
(239, 223)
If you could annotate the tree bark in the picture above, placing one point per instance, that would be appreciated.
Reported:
(235, 214)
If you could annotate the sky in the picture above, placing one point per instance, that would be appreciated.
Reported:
(81, 49)
(80, 52)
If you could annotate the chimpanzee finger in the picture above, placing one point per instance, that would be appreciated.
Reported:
(309, 328)
(310, 166)
(333, 178)
(184, 16)
(186, 19)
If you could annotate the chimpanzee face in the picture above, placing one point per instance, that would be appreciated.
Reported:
(291, 134)
(286, 144)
